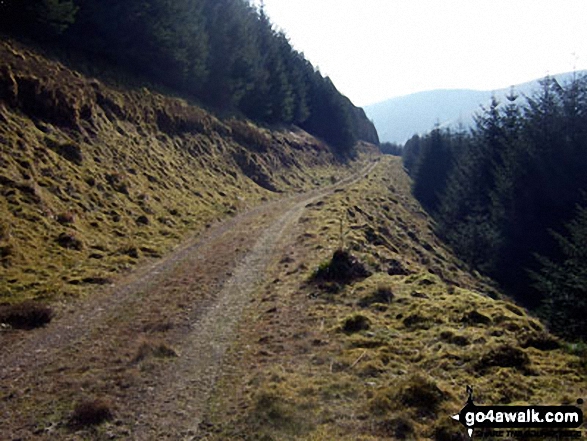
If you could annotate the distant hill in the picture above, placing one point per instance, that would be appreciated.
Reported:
(399, 118)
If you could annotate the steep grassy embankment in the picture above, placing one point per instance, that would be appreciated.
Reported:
(93, 179)
(388, 356)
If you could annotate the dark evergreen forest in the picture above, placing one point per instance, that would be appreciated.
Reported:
(510, 195)
(391, 148)
(223, 53)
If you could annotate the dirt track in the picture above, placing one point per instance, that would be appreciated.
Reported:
(189, 303)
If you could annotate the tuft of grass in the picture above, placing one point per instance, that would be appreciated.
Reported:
(7, 254)
(70, 241)
(504, 355)
(118, 182)
(4, 231)
(421, 393)
(399, 426)
(396, 268)
(274, 414)
(540, 340)
(154, 348)
(416, 392)
(382, 294)
(142, 220)
(66, 218)
(455, 339)
(130, 250)
(476, 318)
(26, 315)
(69, 151)
(381, 403)
(249, 136)
(91, 413)
(355, 323)
(343, 268)
(418, 320)
(446, 430)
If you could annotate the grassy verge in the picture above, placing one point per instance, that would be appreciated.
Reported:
(386, 356)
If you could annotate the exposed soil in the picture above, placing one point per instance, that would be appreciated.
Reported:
(151, 346)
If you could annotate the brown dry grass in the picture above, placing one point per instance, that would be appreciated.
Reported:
(91, 413)
(25, 315)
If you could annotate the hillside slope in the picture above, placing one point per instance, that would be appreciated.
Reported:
(94, 179)
(386, 356)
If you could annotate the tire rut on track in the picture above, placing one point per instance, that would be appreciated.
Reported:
(215, 275)
(192, 379)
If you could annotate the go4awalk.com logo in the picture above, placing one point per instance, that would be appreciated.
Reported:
(534, 421)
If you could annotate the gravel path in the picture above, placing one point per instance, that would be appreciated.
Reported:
(196, 296)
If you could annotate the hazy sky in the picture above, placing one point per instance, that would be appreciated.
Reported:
(378, 49)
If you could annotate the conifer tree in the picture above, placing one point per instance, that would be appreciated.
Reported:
(56, 15)
(222, 52)
(564, 282)
(432, 168)
(411, 153)
(40, 18)
(517, 176)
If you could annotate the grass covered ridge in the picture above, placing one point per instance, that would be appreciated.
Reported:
(387, 356)
(94, 179)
